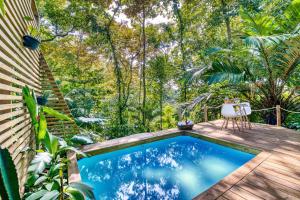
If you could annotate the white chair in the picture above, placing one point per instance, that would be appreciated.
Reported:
(246, 110)
(229, 113)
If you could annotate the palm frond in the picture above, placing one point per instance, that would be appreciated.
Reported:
(289, 60)
(256, 41)
(221, 72)
(216, 50)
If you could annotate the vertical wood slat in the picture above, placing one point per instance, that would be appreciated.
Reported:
(18, 67)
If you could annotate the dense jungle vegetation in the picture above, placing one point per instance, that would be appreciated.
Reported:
(127, 66)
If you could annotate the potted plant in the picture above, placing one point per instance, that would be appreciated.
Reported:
(185, 124)
(31, 40)
(43, 99)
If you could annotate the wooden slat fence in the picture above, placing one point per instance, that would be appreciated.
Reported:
(57, 102)
(20, 66)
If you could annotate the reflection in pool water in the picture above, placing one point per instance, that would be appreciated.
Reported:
(175, 168)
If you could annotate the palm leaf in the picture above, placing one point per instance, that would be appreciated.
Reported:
(221, 72)
(257, 41)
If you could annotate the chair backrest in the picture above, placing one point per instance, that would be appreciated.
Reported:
(247, 107)
(228, 110)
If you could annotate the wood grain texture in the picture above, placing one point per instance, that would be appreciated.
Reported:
(19, 66)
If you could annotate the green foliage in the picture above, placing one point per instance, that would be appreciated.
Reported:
(46, 179)
(40, 162)
(9, 185)
(56, 114)
(127, 72)
(81, 139)
(221, 71)
(42, 127)
(2, 8)
(31, 104)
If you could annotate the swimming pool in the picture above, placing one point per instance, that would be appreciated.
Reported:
(175, 168)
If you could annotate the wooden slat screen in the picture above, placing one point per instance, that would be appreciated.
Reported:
(57, 102)
(19, 66)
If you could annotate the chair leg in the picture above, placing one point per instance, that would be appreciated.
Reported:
(235, 120)
(226, 125)
(248, 122)
(232, 119)
(224, 121)
(242, 122)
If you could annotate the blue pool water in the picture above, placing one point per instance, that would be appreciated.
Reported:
(175, 168)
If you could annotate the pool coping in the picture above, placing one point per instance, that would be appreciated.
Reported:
(212, 193)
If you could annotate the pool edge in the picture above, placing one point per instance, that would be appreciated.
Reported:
(124, 142)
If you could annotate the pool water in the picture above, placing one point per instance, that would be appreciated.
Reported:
(175, 168)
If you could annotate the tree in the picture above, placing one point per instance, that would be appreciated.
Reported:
(275, 56)
(158, 71)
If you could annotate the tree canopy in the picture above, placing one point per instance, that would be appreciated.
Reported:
(134, 62)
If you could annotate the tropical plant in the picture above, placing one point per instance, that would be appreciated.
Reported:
(46, 178)
(46, 173)
(37, 114)
(106, 68)
(9, 185)
(274, 57)
(81, 139)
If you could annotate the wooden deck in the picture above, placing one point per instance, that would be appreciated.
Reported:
(276, 176)
(272, 174)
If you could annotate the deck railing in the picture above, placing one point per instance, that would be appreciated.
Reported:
(278, 109)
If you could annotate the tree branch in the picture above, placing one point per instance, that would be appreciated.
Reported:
(58, 35)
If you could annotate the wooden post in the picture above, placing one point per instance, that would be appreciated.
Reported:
(278, 115)
(205, 113)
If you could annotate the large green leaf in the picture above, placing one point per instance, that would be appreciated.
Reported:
(31, 105)
(51, 143)
(70, 148)
(9, 187)
(2, 8)
(40, 180)
(74, 194)
(56, 114)
(54, 170)
(84, 189)
(42, 127)
(39, 162)
(222, 71)
(81, 139)
(51, 195)
(37, 195)
(31, 178)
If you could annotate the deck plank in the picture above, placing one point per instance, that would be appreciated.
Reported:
(277, 177)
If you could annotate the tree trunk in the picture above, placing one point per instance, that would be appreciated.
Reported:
(227, 22)
(161, 105)
(182, 51)
(118, 75)
(144, 69)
